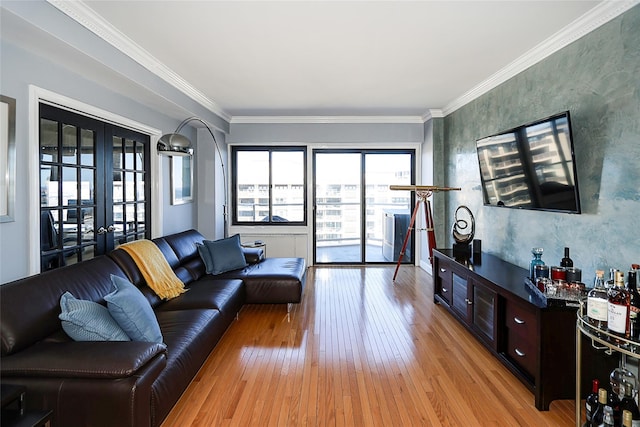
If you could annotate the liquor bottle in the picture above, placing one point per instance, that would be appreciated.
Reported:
(607, 418)
(628, 404)
(598, 413)
(537, 260)
(618, 309)
(592, 401)
(597, 303)
(634, 305)
(566, 261)
(612, 278)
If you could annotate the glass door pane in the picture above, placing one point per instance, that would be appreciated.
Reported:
(338, 221)
(67, 188)
(128, 217)
(387, 212)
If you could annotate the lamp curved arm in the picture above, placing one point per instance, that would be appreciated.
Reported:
(224, 174)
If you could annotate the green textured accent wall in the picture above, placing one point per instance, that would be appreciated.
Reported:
(596, 78)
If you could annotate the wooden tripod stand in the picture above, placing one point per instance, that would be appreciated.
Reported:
(423, 192)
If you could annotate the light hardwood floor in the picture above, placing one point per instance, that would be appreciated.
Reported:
(360, 350)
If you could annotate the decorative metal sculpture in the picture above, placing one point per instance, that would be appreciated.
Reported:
(461, 224)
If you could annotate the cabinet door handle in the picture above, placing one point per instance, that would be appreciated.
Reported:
(518, 320)
(468, 301)
(520, 353)
(445, 290)
(443, 270)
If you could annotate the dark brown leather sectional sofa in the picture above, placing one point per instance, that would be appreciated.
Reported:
(129, 383)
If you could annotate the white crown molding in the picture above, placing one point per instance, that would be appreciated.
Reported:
(432, 113)
(325, 119)
(599, 15)
(85, 16)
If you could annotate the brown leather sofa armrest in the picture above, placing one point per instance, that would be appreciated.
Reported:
(87, 359)
(253, 255)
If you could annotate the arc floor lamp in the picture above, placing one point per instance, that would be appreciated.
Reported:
(176, 144)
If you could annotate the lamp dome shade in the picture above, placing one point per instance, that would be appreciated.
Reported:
(174, 144)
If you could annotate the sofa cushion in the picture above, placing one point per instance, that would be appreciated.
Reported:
(205, 255)
(88, 321)
(132, 311)
(226, 254)
(228, 296)
(30, 306)
(272, 281)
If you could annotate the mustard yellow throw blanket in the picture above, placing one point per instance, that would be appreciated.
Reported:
(154, 268)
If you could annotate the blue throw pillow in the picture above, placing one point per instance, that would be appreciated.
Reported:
(132, 311)
(88, 321)
(226, 254)
(206, 257)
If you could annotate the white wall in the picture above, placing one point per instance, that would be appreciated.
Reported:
(297, 241)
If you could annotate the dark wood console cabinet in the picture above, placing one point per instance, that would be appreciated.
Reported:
(536, 342)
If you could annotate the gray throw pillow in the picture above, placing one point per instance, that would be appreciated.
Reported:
(88, 321)
(226, 254)
(132, 311)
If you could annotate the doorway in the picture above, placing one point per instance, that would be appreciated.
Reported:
(94, 192)
(357, 219)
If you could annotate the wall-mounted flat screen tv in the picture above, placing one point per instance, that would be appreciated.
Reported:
(531, 166)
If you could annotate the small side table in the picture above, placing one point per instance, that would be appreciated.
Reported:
(14, 413)
(256, 244)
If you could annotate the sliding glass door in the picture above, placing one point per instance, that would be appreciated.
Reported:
(357, 219)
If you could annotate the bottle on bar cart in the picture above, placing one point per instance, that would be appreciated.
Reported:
(597, 303)
(591, 403)
(629, 404)
(566, 261)
(598, 413)
(634, 305)
(618, 309)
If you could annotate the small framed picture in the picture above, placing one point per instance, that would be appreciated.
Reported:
(181, 180)
(7, 158)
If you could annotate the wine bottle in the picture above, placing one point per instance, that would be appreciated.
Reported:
(598, 413)
(618, 309)
(597, 303)
(628, 403)
(566, 261)
(592, 401)
(634, 305)
(613, 402)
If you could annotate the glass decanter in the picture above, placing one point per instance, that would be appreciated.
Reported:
(537, 260)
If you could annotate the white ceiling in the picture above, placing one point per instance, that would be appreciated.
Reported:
(335, 58)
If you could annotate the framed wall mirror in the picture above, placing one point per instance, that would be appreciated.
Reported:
(7, 158)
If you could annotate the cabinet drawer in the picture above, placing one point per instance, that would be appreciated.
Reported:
(445, 290)
(521, 321)
(522, 352)
(444, 281)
